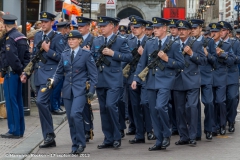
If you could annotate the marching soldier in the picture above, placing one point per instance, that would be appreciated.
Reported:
(139, 102)
(206, 81)
(187, 84)
(123, 30)
(51, 53)
(161, 56)
(171, 110)
(232, 93)
(221, 59)
(56, 93)
(149, 29)
(78, 66)
(109, 51)
(84, 28)
(14, 58)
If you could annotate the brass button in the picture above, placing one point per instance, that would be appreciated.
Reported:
(182, 70)
(51, 68)
(156, 69)
(70, 83)
(195, 73)
(40, 60)
(70, 77)
(39, 67)
(102, 66)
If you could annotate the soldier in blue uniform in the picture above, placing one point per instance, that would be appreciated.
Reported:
(52, 53)
(221, 59)
(56, 93)
(123, 30)
(159, 80)
(78, 66)
(138, 98)
(206, 81)
(149, 29)
(171, 110)
(232, 76)
(187, 84)
(14, 58)
(110, 79)
(83, 27)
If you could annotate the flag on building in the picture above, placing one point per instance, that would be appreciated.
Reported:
(174, 3)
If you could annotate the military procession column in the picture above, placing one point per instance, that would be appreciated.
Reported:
(140, 74)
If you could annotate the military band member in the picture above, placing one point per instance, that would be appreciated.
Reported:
(206, 81)
(187, 84)
(232, 76)
(159, 81)
(52, 53)
(84, 28)
(14, 58)
(222, 58)
(110, 79)
(78, 66)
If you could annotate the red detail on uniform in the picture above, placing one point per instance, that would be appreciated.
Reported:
(110, 2)
(174, 12)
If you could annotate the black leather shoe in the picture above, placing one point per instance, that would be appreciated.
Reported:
(8, 135)
(198, 138)
(49, 141)
(231, 127)
(80, 149)
(151, 136)
(209, 135)
(181, 142)
(58, 112)
(87, 136)
(130, 133)
(122, 133)
(102, 146)
(166, 142)
(136, 141)
(175, 133)
(222, 130)
(155, 148)
(193, 142)
(117, 144)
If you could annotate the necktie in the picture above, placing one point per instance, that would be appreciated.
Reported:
(183, 46)
(159, 44)
(105, 41)
(72, 56)
(44, 36)
(139, 43)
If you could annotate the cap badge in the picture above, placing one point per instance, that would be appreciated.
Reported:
(70, 35)
(155, 20)
(181, 24)
(222, 23)
(134, 21)
(172, 22)
(79, 20)
(44, 15)
(100, 20)
(214, 26)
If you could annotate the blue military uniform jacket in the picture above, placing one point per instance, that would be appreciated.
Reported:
(207, 68)
(88, 41)
(15, 51)
(233, 71)
(44, 71)
(76, 73)
(132, 43)
(165, 78)
(220, 71)
(189, 77)
(111, 76)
